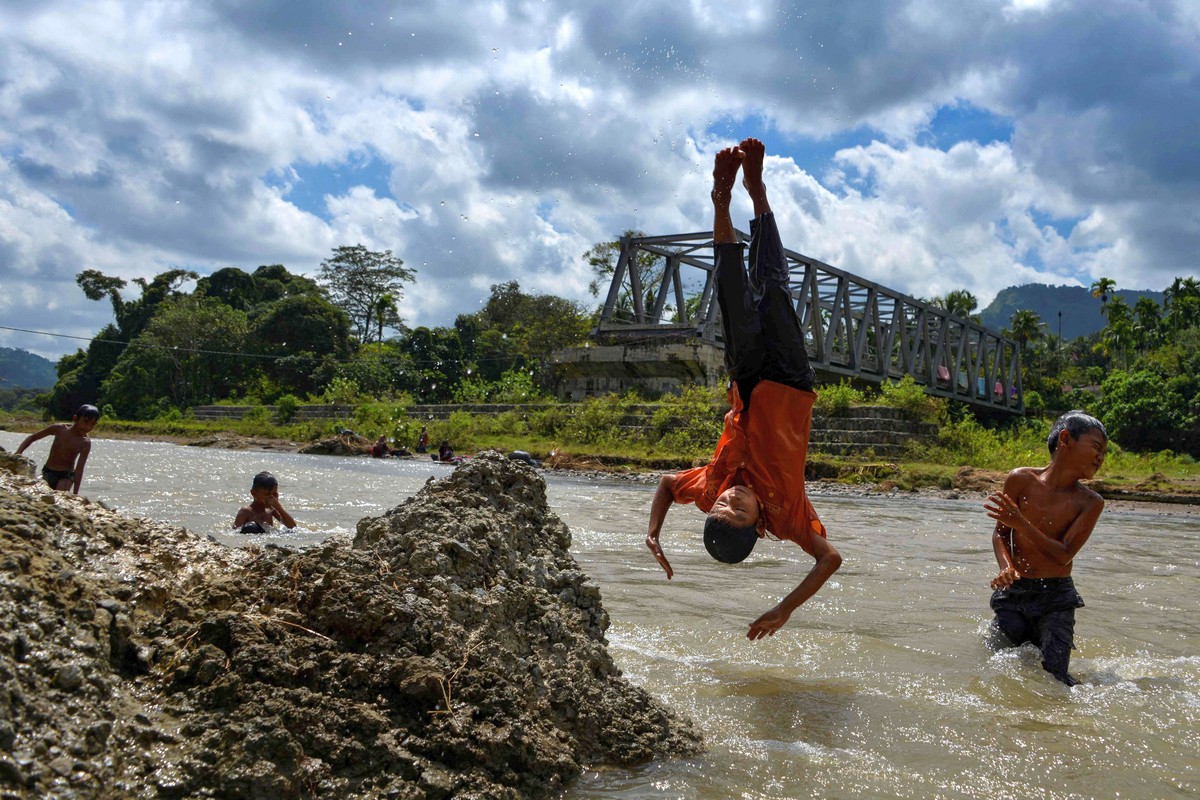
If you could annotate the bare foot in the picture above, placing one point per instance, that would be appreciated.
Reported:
(752, 165)
(725, 169)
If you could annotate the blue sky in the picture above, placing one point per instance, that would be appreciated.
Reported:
(928, 145)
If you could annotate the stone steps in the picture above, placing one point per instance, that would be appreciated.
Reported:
(884, 431)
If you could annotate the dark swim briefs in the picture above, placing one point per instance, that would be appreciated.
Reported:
(252, 527)
(53, 476)
(1041, 611)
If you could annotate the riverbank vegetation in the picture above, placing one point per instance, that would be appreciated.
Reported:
(274, 338)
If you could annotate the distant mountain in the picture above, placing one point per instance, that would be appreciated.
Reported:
(1080, 311)
(24, 369)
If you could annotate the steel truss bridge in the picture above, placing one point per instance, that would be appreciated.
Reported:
(853, 327)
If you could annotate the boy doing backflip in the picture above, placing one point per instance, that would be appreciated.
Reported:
(1043, 517)
(69, 450)
(755, 481)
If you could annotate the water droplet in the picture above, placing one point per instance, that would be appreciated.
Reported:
(442, 203)
(476, 134)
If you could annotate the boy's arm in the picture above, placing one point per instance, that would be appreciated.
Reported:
(1006, 511)
(242, 515)
(828, 561)
(281, 513)
(33, 437)
(663, 498)
(83, 456)
(1008, 571)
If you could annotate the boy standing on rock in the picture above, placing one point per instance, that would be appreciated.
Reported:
(1043, 517)
(754, 484)
(69, 451)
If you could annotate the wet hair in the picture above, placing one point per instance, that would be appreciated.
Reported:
(87, 412)
(264, 480)
(728, 543)
(1076, 423)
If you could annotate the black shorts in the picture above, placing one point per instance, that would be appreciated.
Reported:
(53, 476)
(1041, 611)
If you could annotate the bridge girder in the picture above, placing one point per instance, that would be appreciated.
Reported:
(853, 326)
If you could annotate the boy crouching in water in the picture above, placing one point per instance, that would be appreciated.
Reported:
(755, 482)
(69, 450)
(261, 514)
(1043, 517)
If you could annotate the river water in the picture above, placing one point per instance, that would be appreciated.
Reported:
(881, 686)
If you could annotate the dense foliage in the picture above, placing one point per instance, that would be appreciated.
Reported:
(272, 336)
(1140, 374)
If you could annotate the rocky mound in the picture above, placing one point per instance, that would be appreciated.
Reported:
(336, 446)
(453, 649)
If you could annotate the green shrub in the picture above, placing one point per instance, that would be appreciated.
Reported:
(341, 391)
(836, 399)
(549, 422)
(688, 421)
(598, 420)
(908, 395)
(285, 408)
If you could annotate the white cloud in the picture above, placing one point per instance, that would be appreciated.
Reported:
(138, 137)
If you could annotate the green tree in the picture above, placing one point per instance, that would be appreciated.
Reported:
(960, 303)
(1148, 323)
(1182, 303)
(190, 353)
(1102, 288)
(310, 336)
(1026, 326)
(602, 258)
(357, 278)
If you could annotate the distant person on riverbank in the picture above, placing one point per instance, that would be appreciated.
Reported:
(1043, 517)
(445, 452)
(69, 450)
(755, 482)
(423, 441)
(380, 448)
(265, 508)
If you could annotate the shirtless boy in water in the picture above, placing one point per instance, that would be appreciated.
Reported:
(265, 508)
(1043, 517)
(69, 451)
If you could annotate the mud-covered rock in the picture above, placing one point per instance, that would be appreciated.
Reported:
(338, 446)
(452, 649)
(17, 464)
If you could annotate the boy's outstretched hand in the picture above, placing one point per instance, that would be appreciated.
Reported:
(657, 551)
(767, 624)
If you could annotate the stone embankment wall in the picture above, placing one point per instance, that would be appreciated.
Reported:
(875, 429)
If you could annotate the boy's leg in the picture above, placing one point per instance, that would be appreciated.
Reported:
(740, 321)
(786, 357)
(1057, 639)
(1013, 625)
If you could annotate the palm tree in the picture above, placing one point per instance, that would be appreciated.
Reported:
(1102, 288)
(960, 303)
(385, 312)
(1026, 326)
(1149, 322)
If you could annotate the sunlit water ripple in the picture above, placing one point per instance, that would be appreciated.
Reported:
(881, 686)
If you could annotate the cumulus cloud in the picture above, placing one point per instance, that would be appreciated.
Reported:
(504, 138)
